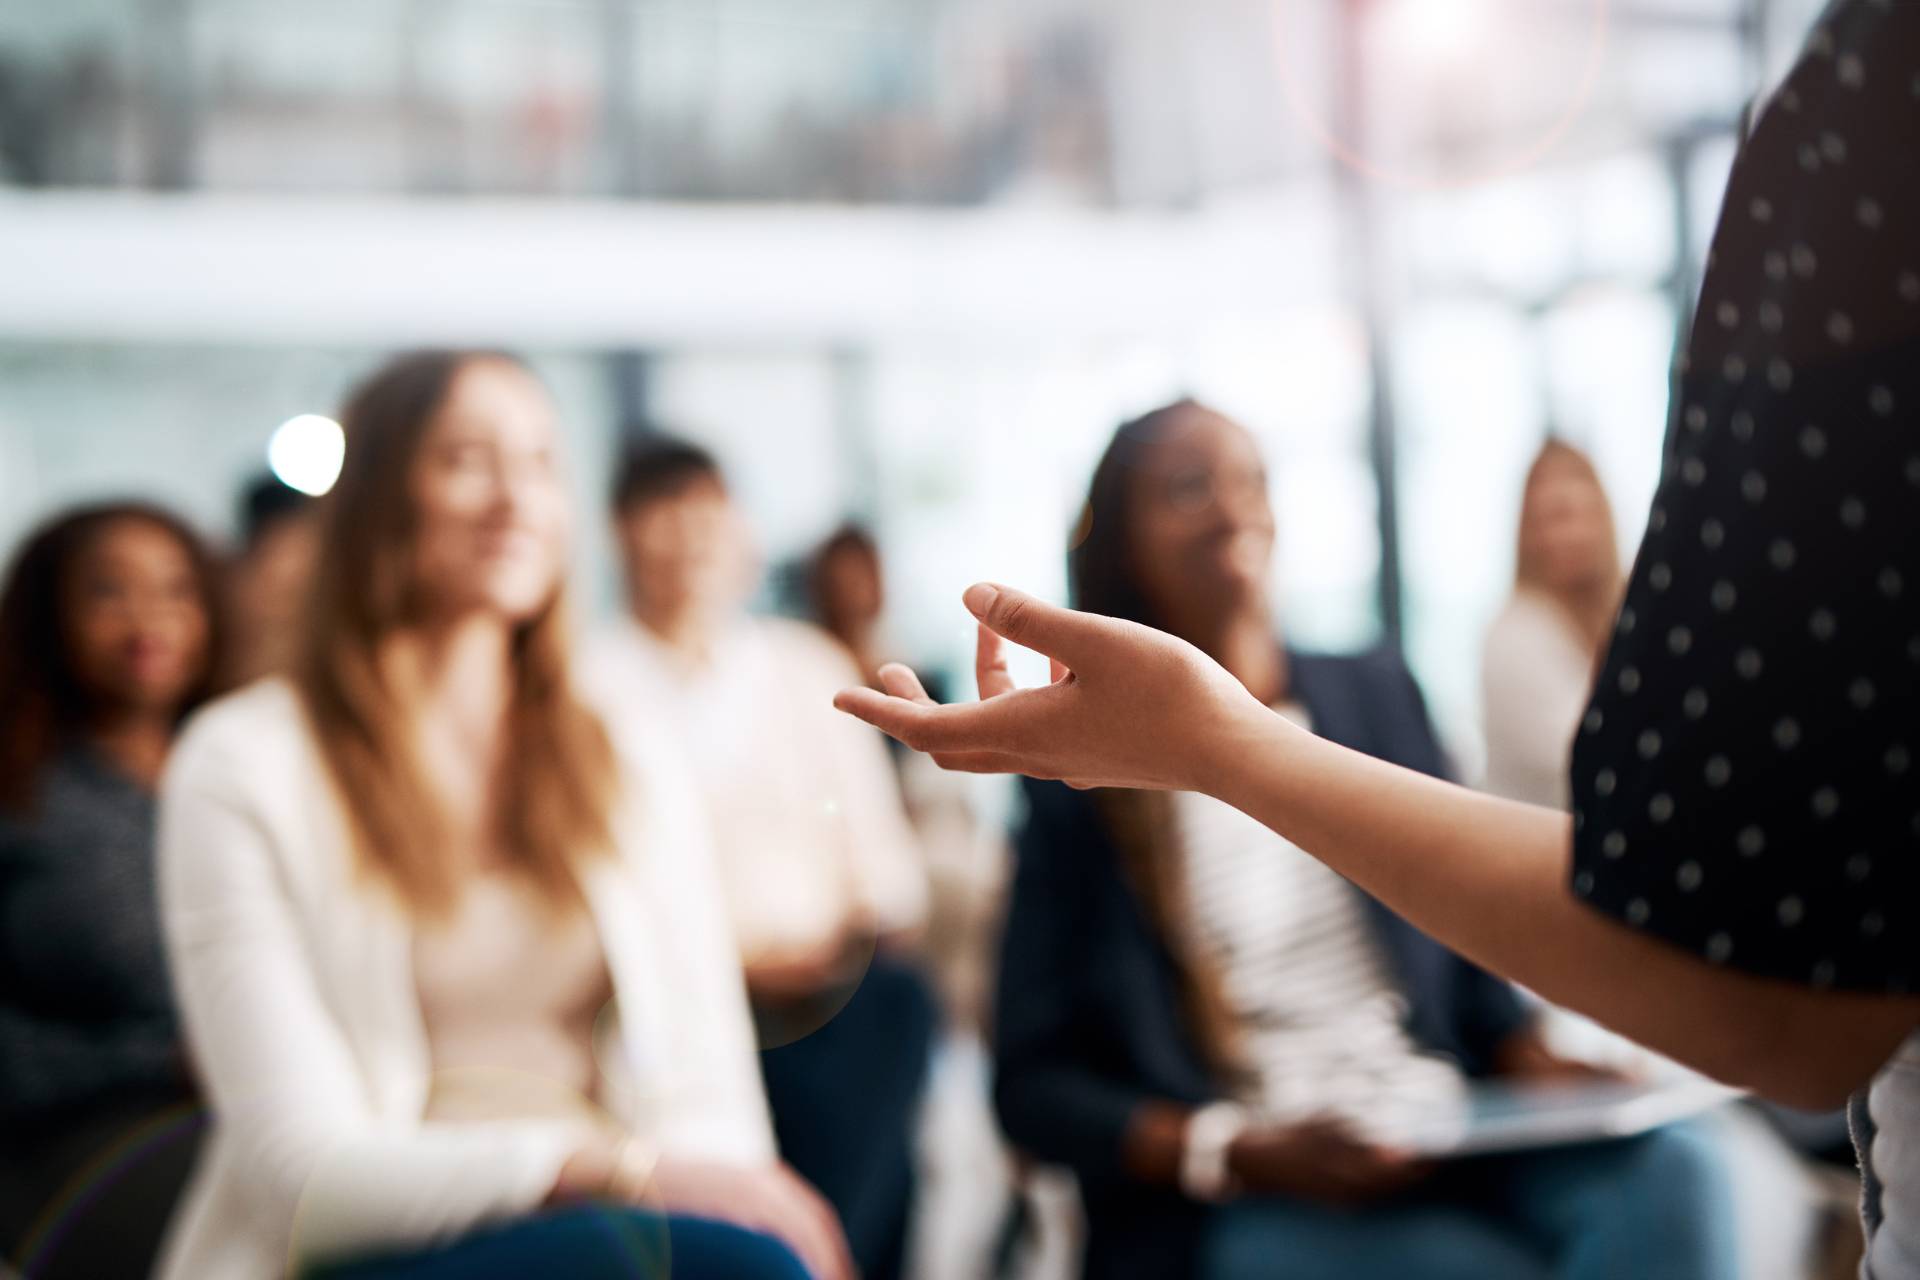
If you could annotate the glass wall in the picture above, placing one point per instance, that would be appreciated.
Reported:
(1495, 211)
(189, 426)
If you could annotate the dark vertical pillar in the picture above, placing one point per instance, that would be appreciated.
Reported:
(167, 116)
(1365, 252)
(619, 119)
(856, 434)
(632, 374)
(631, 370)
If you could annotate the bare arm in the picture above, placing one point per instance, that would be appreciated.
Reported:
(1488, 877)
(1133, 707)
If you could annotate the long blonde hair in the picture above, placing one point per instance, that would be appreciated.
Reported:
(559, 790)
(1591, 610)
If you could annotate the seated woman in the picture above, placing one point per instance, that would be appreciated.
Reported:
(1221, 1037)
(107, 638)
(452, 964)
(1543, 649)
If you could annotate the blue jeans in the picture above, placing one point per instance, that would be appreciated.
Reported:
(1657, 1207)
(844, 1102)
(591, 1242)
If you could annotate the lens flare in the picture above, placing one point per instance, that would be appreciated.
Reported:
(77, 1207)
(1450, 43)
(1439, 31)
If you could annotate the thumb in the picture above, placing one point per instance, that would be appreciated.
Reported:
(1062, 634)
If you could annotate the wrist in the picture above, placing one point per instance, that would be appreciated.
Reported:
(1206, 1150)
(634, 1164)
(1517, 1051)
(606, 1167)
(586, 1174)
(1240, 750)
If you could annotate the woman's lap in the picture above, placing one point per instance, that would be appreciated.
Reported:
(1294, 1240)
(1658, 1206)
(1654, 1206)
(591, 1242)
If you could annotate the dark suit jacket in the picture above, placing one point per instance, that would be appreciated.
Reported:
(1088, 1020)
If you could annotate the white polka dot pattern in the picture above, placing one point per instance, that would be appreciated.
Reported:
(1745, 774)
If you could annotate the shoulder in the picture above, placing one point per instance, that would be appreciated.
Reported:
(247, 761)
(253, 736)
(804, 649)
(1527, 621)
(1524, 613)
(618, 679)
(71, 777)
(1532, 637)
(612, 657)
(645, 750)
(657, 797)
(68, 791)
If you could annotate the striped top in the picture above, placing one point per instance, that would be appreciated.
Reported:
(1321, 1016)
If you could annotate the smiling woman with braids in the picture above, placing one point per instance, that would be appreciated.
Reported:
(1223, 1037)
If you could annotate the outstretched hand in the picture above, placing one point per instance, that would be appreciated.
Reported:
(1127, 706)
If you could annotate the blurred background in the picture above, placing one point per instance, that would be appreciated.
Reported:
(905, 263)
(902, 260)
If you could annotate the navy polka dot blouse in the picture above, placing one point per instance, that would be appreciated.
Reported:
(1745, 782)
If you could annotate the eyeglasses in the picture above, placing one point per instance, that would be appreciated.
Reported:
(1191, 490)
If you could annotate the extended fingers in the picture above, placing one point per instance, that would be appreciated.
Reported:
(980, 762)
(892, 714)
(899, 680)
(930, 727)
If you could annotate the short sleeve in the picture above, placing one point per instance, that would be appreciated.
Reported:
(1744, 781)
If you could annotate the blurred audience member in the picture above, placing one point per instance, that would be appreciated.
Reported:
(966, 858)
(108, 636)
(279, 536)
(848, 594)
(821, 868)
(1541, 653)
(1222, 1038)
(450, 958)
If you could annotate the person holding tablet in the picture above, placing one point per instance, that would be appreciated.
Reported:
(1738, 883)
(1252, 1069)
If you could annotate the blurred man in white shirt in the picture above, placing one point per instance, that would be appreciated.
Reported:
(822, 872)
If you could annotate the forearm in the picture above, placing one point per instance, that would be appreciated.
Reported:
(1131, 706)
(351, 1194)
(1488, 877)
(1064, 1114)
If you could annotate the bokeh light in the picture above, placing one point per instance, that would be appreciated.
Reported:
(306, 452)
(1443, 32)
